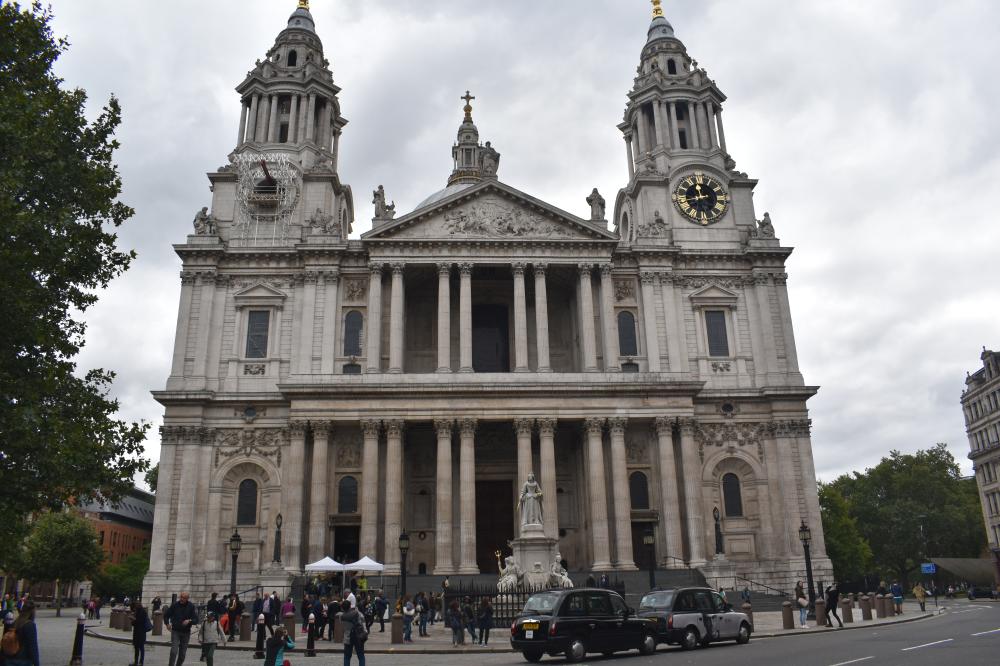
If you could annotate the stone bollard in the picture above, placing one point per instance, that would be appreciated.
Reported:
(820, 613)
(396, 627)
(158, 623)
(747, 609)
(890, 606)
(245, 626)
(786, 616)
(338, 629)
(880, 606)
(290, 625)
(848, 611)
(866, 607)
(116, 619)
(126, 619)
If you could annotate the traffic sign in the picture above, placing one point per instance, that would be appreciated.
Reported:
(928, 568)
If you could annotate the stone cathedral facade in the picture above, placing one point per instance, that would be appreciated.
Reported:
(327, 393)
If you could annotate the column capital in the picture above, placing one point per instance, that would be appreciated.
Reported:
(664, 425)
(617, 425)
(467, 426)
(444, 427)
(687, 426)
(518, 268)
(444, 269)
(647, 277)
(595, 425)
(398, 268)
(547, 426)
(606, 270)
(667, 279)
(465, 269)
(394, 427)
(321, 428)
(298, 428)
(539, 269)
(371, 427)
(585, 269)
(375, 268)
(523, 426)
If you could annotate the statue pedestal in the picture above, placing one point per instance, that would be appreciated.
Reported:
(534, 552)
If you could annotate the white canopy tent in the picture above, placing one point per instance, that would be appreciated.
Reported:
(326, 564)
(364, 564)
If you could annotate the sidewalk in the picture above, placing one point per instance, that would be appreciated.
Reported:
(766, 625)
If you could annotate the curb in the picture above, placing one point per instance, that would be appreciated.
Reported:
(846, 627)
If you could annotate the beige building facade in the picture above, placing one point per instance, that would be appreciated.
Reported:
(639, 359)
(981, 406)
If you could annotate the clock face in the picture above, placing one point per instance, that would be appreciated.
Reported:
(701, 199)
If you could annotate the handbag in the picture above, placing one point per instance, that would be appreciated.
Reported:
(147, 625)
(802, 602)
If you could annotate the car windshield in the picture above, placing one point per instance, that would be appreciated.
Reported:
(541, 604)
(663, 599)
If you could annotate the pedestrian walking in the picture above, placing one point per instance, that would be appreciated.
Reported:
(140, 627)
(897, 596)
(920, 594)
(453, 616)
(409, 611)
(235, 611)
(274, 649)
(210, 634)
(381, 606)
(485, 621)
(19, 646)
(423, 613)
(802, 602)
(180, 617)
(469, 617)
(355, 633)
(832, 600)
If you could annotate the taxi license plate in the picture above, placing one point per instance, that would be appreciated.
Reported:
(530, 625)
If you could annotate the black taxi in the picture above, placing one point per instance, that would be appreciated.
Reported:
(578, 621)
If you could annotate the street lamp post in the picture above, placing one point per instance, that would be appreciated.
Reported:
(404, 548)
(235, 544)
(805, 536)
(650, 542)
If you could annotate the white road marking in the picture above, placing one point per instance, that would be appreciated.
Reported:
(983, 633)
(853, 661)
(917, 647)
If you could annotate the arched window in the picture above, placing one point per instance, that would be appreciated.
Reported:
(347, 495)
(627, 343)
(638, 490)
(293, 58)
(731, 495)
(671, 66)
(246, 503)
(353, 325)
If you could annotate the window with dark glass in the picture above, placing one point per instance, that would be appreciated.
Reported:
(347, 495)
(671, 67)
(732, 496)
(257, 325)
(293, 58)
(246, 503)
(627, 343)
(638, 490)
(715, 325)
(353, 325)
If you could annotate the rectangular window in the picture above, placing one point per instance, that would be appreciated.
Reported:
(715, 326)
(257, 325)
(682, 137)
(101, 538)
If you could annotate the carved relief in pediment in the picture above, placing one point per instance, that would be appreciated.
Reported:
(490, 217)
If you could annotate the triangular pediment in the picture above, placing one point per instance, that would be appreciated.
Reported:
(494, 211)
(260, 290)
(713, 294)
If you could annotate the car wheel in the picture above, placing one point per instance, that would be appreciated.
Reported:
(576, 651)
(744, 636)
(691, 639)
(533, 657)
(648, 645)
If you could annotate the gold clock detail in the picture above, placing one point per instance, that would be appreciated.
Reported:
(701, 199)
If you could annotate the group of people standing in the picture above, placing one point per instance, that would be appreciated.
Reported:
(469, 617)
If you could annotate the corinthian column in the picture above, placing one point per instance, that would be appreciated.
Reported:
(670, 497)
(318, 510)
(524, 465)
(520, 320)
(294, 468)
(465, 318)
(444, 318)
(610, 337)
(692, 493)
(547, 467)
(396, 321)
(393, 493)
(442, 539)
(369, 488)
(620, 492)
(373, 349)
(467, 483)
(587, 333)
(541, 319)
(598, 495)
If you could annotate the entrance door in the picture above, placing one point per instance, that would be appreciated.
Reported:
(346, 543)
(641, 553)
(490, 338)
(494, 522)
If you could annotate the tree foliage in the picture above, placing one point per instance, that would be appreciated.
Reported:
(152, 476)
(124, 579)
(58, 203)
(913, 507)
(847, 549)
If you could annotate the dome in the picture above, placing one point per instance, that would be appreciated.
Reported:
(660, 28)
(442, 194)
(302, 19)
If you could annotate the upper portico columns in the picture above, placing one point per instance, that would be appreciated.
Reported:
(587, 319)
(396, 318)
(520, 320)
(444, 318)
(373, 348)
(610, 333)
(465, 318)
(541, 318)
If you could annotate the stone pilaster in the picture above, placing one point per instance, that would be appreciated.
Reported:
(670, 495)
(319, 508)
(373, 350)
(541, 319)
(444, 318)
(396, 320)
(306, 323)
(169, 445)
(692, 493)
(520, 320)
(393, 493)
(465, 318)
(184, 527)
(206, 280)
(331, 289)
(620, 493)
(369, 486)
(610, 336)
(649, 321)
(443, 564)
(587, 333)
(467, 490)
(293, 497)
(188, 281)
(598, 495)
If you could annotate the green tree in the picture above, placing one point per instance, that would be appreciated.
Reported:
(62, 546)
(123, 579)
(152, 476)
(58, 203)
(913, 506)
(849, 551)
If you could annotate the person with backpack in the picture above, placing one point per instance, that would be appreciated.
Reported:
(409, 611)
(381, 605)
(355, 633)
(140, 627)
(20, 644)
(210, 635)
(274, 649)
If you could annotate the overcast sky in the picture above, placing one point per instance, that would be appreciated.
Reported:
(871, 125)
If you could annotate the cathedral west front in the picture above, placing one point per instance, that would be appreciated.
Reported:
(328, 393)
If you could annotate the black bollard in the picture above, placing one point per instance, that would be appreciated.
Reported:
(77, 659)
(261, 628)
(311, 640)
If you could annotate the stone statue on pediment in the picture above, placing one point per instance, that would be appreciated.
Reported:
(764, 227)
(530, 502)
(383, 211)
(597, 206)
(490, 160)
(205, 223)
(322, 222)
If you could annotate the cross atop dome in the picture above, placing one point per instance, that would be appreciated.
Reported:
(468, 105)
(657, 9)
(304, 4)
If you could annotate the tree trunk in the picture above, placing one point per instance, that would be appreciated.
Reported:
(58, 600)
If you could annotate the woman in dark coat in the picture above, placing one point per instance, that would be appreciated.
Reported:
(139, 620)
(27, 636)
